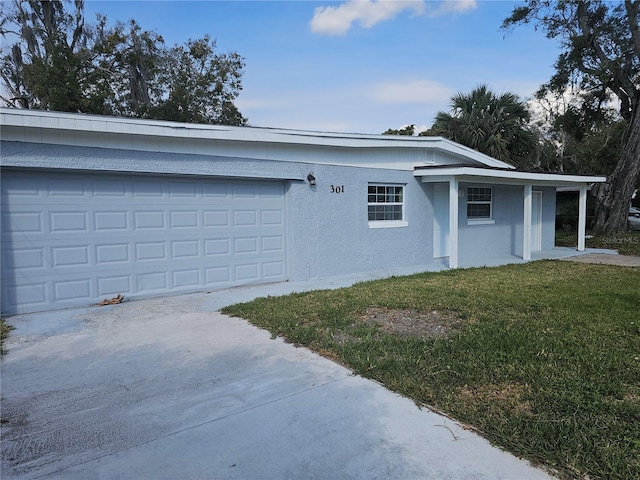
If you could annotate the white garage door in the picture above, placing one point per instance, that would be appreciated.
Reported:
(71, 239)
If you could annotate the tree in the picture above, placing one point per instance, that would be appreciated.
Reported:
(492, 124)
(574, 138)
(200, 86)
(59, 62)
(132, 58)
(49, 67)
(601, 58)
(408, 130)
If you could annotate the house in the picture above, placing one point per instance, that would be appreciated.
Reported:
(97, 206)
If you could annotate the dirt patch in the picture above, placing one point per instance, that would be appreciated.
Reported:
(506, 396)
(412, 323)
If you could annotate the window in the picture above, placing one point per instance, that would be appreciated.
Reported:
(479, 203)
(385, 205)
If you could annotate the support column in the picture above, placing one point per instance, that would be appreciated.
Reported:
(453, 223)
(526, 231)
(582, 218)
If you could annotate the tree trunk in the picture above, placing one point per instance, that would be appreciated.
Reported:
(614, 196)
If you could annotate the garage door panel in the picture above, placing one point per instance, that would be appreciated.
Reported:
(272, 217)
(243, 190)
(270, 191)
(214, 276)
(68, 221)
(183, 219)
(218, 190)
(216, 247)
(181, 249)
(68, 256)
(245, 245)
(20, 221)
(111, 221)
(149, 219)
(152, 282)
(272, 269)
(245, 218)
(112, 253)
(183, 189)
(109, 188)
(26, 190)
(188, 277)
(247, 272)
(112, 285)
(61, 188)
(273, 243)
(22, 258)
(72, 240)
(148, 188)
(30, 297)
(150, 251)
(72, 290)
(216, 219)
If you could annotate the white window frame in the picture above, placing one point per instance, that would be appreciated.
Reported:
(480, 220)
(388, 223)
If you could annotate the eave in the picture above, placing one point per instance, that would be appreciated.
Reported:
(430, 174)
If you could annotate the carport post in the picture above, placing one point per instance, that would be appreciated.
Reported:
(582, 217)
(526, 231)
(453, 223)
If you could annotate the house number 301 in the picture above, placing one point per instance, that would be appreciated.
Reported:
(337, 188)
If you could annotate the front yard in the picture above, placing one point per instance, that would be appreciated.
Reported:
(543, 359)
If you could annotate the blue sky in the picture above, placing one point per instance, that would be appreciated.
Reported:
(353, 66)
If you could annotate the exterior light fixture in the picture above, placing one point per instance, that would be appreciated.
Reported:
(311, 179)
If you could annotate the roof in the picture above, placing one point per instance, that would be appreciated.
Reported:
(433, 159)
(153, 135)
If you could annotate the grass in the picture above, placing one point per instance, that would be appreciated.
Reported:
(626, 243)
(4, 333)
(547, 364)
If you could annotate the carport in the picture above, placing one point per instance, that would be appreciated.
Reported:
(531, 183)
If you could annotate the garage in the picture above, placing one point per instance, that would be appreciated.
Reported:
(73, 238)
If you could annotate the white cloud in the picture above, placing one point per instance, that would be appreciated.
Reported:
(345, 106)
(338, 20)
(415, 91)
(454, 6)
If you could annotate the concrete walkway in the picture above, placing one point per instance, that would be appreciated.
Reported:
(606, 259)
(169, 388)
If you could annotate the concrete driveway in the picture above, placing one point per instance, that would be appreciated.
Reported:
(169, 388)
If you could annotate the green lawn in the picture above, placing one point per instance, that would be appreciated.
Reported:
(4, 333)
(543, 359)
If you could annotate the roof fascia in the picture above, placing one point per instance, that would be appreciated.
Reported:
(480, 175)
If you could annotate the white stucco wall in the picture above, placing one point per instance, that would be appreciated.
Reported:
(331, 234)
(504, 236)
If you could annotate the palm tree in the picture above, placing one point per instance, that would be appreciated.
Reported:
(494, 125)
